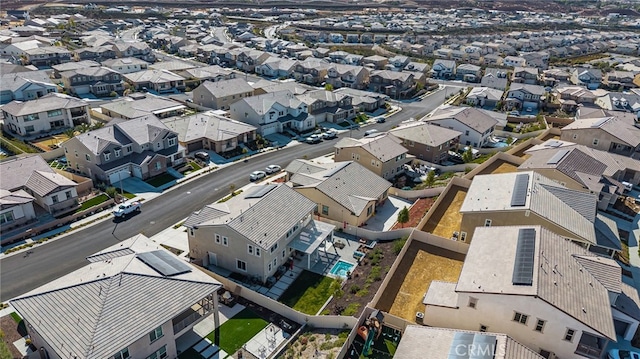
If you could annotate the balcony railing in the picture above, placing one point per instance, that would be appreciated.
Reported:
(589, 352)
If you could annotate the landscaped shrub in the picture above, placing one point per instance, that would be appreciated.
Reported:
(354, 289)
(398, 244)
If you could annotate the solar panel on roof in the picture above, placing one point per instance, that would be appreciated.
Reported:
(472, 346)
(520, 187)
(557, 157)
(554, 143)
(460, 340)
(523, 264)
(260, 191)
(164, 263)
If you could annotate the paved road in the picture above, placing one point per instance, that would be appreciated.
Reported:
(54, 259)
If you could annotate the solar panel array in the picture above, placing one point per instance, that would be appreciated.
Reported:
(519, 195)
(525, 253)
(260, 191)
(164, 263)
(472, 346)
(557, 157)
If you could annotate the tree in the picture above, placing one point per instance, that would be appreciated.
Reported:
(97, 125)
(403, 216)
(70, 132)
(431, 179)
(83, 128)
(111, 192)
(5, 352)
(328, 87)
(467, 156)
(232, 187)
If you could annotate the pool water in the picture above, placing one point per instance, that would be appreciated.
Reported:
(341, 268)
(500, 144)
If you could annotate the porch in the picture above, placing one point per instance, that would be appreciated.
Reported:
(196, 313)
(306, 245)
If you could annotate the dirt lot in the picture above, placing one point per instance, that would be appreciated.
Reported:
(499, 166)
(49, 143)
(421, 265)
(446, 218)
(416, 212)
(11, 334)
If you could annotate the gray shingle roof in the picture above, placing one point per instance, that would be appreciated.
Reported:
(473, 118)
(153, 76)
(614, 126)
(13, 81)
(132, 108)
(383, 147)
(15, 172)
(9, 199)
(532, 89)
(262, 220)
(207, 125)
(49, 102)
(424, 133)
(226, 88)
(43, 183)
(559, 278)
(103, 307)
(349, 183)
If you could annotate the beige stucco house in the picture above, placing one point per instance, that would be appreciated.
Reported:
(382, 154)
(220, 95)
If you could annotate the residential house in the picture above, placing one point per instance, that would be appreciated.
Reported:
(383, 155)
(339, 75)
(247, 60)
(274, 112)
(212, 132)
(140, 104)
(427, 142)
(24, 86)
(256, 232)
(394, 84)
(484, 97)
(137, 49)
(549, 294)
(276, 67)
(344, 192)
(376, 62)
(525, 75)
(142, 148)
(523, 96)
(94, 53)
(468, 72)
(577, 94)
(28, 181)
(208, 73)
(46, 56)
(399, 62)
(174, 66)
(529, 198)
(443, 69)
(364, 101)
(123, 277)
(588, 77)
(475, 125)
(538, 59)
(160, 81)
(611, 133)
(441, 342)
(554, 77)
(513, 61)
(620, 102)
(579, 167)
(492, 60)
(335, 107)
(69, 66)
(311, 71)
(99, 81)
(220, 95)
(266, 86)
(54, 112)
(619, 80)
(495, 78)
(126, 65)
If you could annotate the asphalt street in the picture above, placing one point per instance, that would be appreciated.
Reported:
(20, 273)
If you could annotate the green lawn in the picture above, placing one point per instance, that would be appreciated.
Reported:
(309, 292)
(128, 195)
(93, 202)
(194, 165)
(160, 180)
(238, 330)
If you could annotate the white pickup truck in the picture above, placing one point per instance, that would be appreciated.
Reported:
(125, 208)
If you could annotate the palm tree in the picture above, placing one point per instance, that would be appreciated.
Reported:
(83, 128)
(70, 132)
(97, 125)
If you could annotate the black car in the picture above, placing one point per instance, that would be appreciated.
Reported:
(381, 120)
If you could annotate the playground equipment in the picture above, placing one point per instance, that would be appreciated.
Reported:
(371, 330)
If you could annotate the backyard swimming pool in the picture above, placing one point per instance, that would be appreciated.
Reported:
(341, 268)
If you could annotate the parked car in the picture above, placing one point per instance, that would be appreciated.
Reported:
(330, 134)
(202, 155)
(273, 169)
(257, 175)
(623, 354)
(127, 208)
(381, 119)
(313, 139)
(370, 132)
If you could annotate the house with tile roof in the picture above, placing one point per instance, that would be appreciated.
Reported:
(80, 315)
(160, 81)
(143, 147)
(523, 96)
(99, 81)
(125, 65)
(345, 192)
(611, 133)
(351, 76)
(444, 342)
(274, 112)
(495, 79)
(621, 102)
(220, 95)
(137, 49)
(392, 83)
(209, 131)
(529, 198)
(209, 73)
(27, 181)
(383, 155)
(582, 168)
(329, 106)
(24, 86)
(550, 294)
(257, 231)
(476, 125)
(485, 97)
(142, 104)
(276, 67)
(427, 142)
(46, 56)
(54, 112)
(587, 77)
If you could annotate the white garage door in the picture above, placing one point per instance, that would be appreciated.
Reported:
(269, 130)
(115, 177)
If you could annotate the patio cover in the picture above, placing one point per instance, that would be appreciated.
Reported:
(311, 237)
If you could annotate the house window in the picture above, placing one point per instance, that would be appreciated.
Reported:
(172, 141)
(373, 162)
(273, 248)
(269, 267)
(466, 133)
(6, 217)
(191, 232)
(54, 198)
(241, 265)
(155, 334)
(520, 318)
(487, 223)
(257, 252)
(158, 165)
(225, 241)
(123, 354)
(275, 262)
(86, 157)
(568, 336)
(355, 156)
(595, 141)
(463, 236)
(369, 210)
(65, 150)
(483, 328)
(29, 128)
(68, 194)
(117, 152)
(250, 249)
(472, 302)
(53, 113)
(575, 136)
(217, 236)
(325, 210)
(160, 354)
(540, 325)
(283, 253)
(107, 155)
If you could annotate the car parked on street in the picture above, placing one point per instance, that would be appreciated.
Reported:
(127, 208)
(313, 139)
(273, 169)
(330, 134)
(257, 175)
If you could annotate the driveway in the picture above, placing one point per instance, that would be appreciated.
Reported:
(137, 186)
